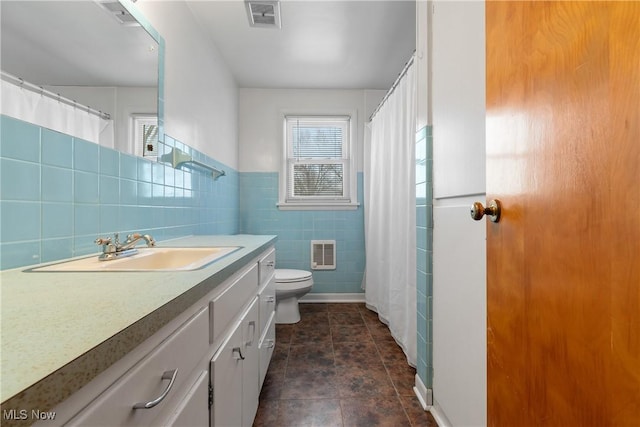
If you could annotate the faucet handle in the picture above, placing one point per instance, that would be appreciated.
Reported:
(103, 241)
(132, 237)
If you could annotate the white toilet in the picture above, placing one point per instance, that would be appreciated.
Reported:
(290, 286)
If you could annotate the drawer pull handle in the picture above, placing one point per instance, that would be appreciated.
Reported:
(270, 299)
(268, 344)
(167, 375)
(252, 334)
(270, 263)
(237, 353)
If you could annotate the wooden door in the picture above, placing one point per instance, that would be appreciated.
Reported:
(563, 264)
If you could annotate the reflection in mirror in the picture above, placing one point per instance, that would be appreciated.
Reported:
(96, 53)
(145, 134)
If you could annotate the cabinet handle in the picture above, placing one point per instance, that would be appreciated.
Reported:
(270, 299)
(252, 334)
(237, 353)
(268, 344)
(167, 375)
(270, 263)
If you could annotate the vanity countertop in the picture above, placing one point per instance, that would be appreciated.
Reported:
(51, 320)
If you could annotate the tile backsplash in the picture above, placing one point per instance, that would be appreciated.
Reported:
(295, 229)
(58, 193)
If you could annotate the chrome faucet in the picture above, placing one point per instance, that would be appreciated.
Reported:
(113, 249)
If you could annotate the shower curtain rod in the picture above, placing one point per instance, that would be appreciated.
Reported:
(18, 81)
(393, 86)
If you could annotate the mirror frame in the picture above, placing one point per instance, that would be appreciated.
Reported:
(144, 22)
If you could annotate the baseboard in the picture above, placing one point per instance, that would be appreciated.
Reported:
(439, 416)
(356, 297)
(424, 394)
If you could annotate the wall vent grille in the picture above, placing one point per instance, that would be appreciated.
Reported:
(263, 13)
(323, 254)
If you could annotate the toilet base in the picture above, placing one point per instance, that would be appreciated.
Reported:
(287, 310)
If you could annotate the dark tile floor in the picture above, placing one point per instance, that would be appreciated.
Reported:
(339, 366)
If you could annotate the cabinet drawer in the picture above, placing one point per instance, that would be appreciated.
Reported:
(267, 296)
(267, 266)
(181, 351)
(225, 307)
(193, 410)
(266, 347)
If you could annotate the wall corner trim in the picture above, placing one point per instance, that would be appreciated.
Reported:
(424, 394)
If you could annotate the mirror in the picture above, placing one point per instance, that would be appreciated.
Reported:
(102, 54)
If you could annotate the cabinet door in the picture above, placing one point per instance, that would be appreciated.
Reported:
(226, 378)
(266, 346)
(250, 365)
(459, 272)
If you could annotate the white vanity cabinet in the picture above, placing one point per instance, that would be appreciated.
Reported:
(203, 368)
(244, 345)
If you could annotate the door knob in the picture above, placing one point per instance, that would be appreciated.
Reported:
(492, 211)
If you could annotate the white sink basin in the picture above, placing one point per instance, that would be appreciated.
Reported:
(148, 259)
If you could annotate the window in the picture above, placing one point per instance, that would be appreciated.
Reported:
(319, 171)
(145, 134)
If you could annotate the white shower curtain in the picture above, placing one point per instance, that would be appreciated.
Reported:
(32, 107)
(390, 214)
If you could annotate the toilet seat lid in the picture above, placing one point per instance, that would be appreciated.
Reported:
(288, 276)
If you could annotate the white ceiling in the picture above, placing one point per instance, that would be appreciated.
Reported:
(349, 44)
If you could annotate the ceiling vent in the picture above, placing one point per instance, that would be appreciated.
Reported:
(263, 13)
(119, 12)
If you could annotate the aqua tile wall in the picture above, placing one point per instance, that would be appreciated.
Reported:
(58, 193)
(296, 229)
(424, 240)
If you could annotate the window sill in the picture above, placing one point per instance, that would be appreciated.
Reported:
(317, 206)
